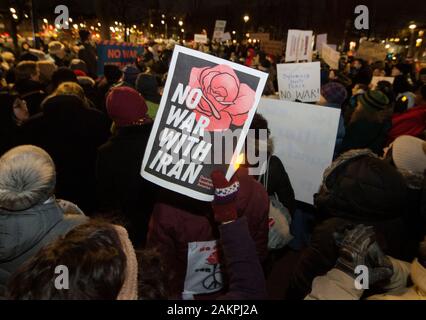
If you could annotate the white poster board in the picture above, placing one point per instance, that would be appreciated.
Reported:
(299, 81)
(299, 46)
(204, 96)
(321, 39)
(305, 138)
(330, 56)
(376, 80)
(226, 37)
(219, 29)
(200, 38)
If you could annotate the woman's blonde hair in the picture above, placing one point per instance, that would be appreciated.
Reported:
(70, 88)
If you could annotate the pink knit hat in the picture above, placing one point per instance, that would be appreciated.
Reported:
(126, 107)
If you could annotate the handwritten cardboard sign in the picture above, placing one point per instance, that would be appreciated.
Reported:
(300, 81)
(307, 137)
(371, 51)
(330, 56)
(200, 38)
(203, 96)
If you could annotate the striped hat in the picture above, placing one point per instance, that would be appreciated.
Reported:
(374, 100)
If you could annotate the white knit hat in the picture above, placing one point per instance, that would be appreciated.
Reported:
(27, 178)
(409, 153)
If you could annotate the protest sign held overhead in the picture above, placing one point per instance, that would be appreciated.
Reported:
(219, 30)
(204, 97)
(201, 38)
(272, 47)
(321, 39)
(330, 56)
(371, 51)
(299, 81)
(307, 136)
(299, 46)
(120, 54)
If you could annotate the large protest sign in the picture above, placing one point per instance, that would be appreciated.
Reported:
(371, 51)
(305, 137)
(120, 54)
(321, 39)
(204, 97)
(272, 47)
(219, 30)
(299, 46)
(200, 38)
(330, 56)
(226, 37)
(299, 81)
(260, 36)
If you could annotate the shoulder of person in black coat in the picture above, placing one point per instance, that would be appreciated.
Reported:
(279, 183)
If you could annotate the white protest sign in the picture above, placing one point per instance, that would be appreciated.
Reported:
(299, 81)
(371, 51)
(219, 29)
(305, 138)
(321, 39)
(376, 80)
(330, 56)
(204, 97)
(203, 271)
(226, 36)
(200, 38)
(299, 46)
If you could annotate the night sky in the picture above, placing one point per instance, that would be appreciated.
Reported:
(275, 16)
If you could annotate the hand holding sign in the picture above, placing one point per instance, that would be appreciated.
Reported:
(203, 96)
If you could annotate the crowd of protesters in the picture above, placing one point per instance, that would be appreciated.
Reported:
(66, 133)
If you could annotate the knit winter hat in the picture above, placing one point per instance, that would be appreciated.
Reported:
(131, 74)
(334, 92)
(27, 178)
(77, 64)
(409, 153)
(374, 101)
(126, 107)
(56, 48)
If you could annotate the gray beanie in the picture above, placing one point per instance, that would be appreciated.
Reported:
(27, 178)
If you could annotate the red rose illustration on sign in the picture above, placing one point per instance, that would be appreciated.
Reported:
(213, 259)
(225, 99)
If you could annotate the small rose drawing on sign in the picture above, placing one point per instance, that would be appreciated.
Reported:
(226, 101)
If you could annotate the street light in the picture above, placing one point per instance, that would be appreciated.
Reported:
(45, 21)
(412, 50)
(246, 18)
(180, 23)
(162, 22)
(12, 10)
(151, 25)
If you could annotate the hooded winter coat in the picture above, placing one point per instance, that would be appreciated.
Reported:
(24, 233)
(358, 188)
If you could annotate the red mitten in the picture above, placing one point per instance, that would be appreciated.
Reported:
(225, 196)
